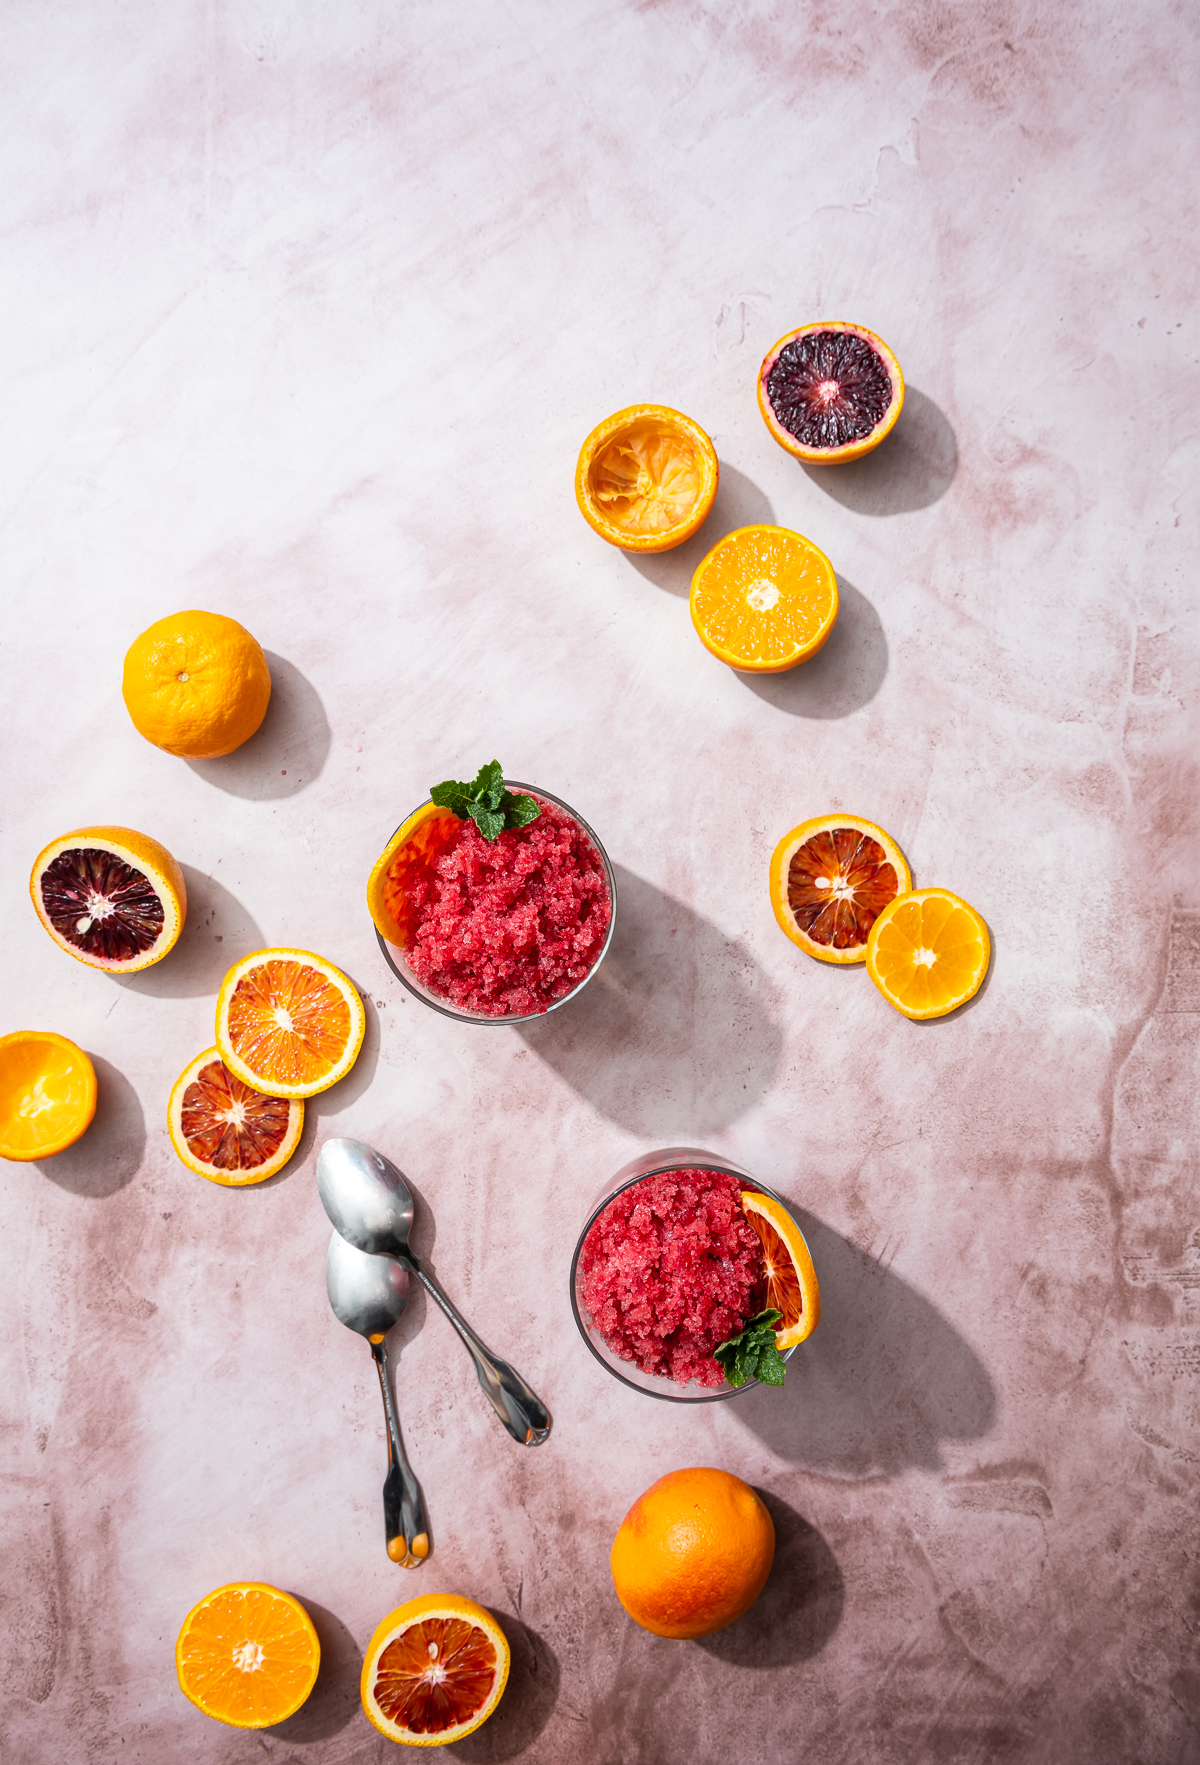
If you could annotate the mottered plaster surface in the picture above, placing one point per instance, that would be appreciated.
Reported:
(307, 310)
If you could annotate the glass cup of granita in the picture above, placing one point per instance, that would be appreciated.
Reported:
(620, 1276)
(497, 931)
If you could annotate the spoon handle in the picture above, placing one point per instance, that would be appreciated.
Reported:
(403, 1509)
(517, 1404)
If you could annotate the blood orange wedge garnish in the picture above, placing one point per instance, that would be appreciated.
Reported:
(409, 852)
(435, 1669)
(225, 1130)
(247, 1655)
(764, 599)
(830, 878)
(110, 897)
(791, 1279)
(289, 1023)
(646, 478)
(829, 392)
(928, 953)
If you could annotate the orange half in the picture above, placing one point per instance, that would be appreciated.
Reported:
(928, 953)
(646, 478)
(764, 599)
(830, 879)
(110, 897)
(225, 1130)
(791, 1279)
(247, 1655)
(289, 1023)
(47, 1094)
(434, 1671)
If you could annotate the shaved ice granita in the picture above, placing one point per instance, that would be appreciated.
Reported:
(500, 901)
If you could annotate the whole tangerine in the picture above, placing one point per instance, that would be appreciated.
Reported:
(693, 1553)
(196, 684)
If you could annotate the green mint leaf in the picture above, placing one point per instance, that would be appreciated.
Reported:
(752, 1353)
(488, 787)
(519, 811)
(771, 1369)
(490, 822)
(486, 802)
(452, 795)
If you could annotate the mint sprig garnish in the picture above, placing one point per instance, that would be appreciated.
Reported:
(752, 1353)
(486, 802)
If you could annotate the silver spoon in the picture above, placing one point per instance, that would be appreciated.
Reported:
(371, 1205)
(368, 1294)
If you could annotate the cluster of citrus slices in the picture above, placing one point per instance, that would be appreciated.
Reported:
(841, 890)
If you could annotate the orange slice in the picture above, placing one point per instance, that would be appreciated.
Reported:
(764, 599)
(412, 846)
(225, 1130)
(435, 1669)
(829, 392)
(646, 478)
(110, 897)
(47, 1094)
(791, 1279)
(928, 953)
(830, 879)
(247, 1655)
(289, 1023)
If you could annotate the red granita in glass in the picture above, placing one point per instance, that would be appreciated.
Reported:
(670, 1269)
(507, 926)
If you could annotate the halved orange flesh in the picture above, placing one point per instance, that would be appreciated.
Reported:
(830, 391)
(225, 1130)
(110, 897)
(410, 848)
(47, 1094)
(435, 1669)
(764, 599)
(646, 478)
(247, 1655)
(791, 1279)
(928, 953)
(289, 1023)
(830, 879)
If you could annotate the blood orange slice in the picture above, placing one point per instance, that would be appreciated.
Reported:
(791, 1279)
(830, 878)
(225, 1130)
(110, 897)
(829, 392)
(435, 1669)
(247, 1655)
(289, 1023)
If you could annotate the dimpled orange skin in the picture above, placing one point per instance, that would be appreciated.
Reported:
(196, 684)
(854, 450)
(693, 1553)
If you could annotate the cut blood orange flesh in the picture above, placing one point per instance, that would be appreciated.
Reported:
(829, 392)
(289, 1023)
(434, 1671)
(791, 1279)
(928, 953)
(411, 850)
(225, 1130)
(646, 478)
(247, 1655)
(110, 897)
(830, 878)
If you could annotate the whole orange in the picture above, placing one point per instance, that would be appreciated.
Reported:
(693, 1553)
(196, 684)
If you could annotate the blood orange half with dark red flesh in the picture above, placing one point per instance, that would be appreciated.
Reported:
(224, 1130)
(434, 1670)
(110, 897)
(830, 392)
(831, 878)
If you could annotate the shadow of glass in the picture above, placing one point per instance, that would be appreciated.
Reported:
(528, 1700)
(797, 1611)
(286, 752)
(843, 676)
(738, 503)
(883, 1380)
(110, 1153)
(334, 1699)
(671, 1036)
(913, 468)
(217, 931)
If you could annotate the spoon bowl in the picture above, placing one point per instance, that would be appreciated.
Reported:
(368, 1293)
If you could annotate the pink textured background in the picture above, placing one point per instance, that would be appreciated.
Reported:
(306, 311)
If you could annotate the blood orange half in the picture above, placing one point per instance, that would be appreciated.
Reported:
(225, 1130)
(829, 392)
(110, 897)
(791, 1279)
(830, 879)
(435, 1669)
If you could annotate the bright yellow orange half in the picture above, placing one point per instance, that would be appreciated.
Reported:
(434, 1671)
(47, 1094)
(791, 1278)
(764, 599)
(928, 953)
(289, 1023)
(646, 478)
(830, 879)
(247, 1655)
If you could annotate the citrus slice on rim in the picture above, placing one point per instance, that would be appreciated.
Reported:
(289, 1023)
(435, 1669)
(110, 897)
(247, 1655)
(47, 1094)
(829, 392)
(830, 879)
(225, 1130)
(646, 478)
(791, 1279)
(764, 599)
(414, 844)
(928, 953)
